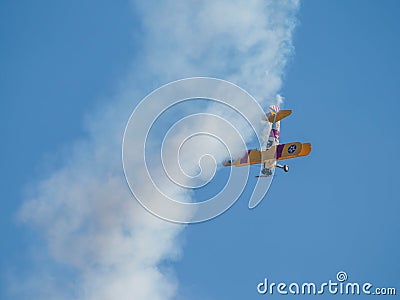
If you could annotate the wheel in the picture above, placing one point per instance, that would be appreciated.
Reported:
(286, 168)
(266, 172)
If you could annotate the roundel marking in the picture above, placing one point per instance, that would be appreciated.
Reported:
(292, 148)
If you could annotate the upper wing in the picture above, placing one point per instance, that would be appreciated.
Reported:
(292, 150)
(279, 152)
(251, 157)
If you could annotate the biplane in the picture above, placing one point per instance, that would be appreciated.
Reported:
(271, 152)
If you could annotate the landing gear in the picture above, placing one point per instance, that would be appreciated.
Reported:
(285, 167)
(266, 172)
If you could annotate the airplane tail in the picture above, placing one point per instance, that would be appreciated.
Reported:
(272, 129)
(276, 116)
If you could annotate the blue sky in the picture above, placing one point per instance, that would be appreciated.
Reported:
(335, 210)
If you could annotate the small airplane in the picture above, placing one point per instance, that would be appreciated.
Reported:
(271, 151)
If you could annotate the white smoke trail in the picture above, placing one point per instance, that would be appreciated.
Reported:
(246, 43)
(91, 225)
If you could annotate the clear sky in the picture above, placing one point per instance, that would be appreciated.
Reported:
(336, 210)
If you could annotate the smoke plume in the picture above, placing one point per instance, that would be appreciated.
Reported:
(98, 242)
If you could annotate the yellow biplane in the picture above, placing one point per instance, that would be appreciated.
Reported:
(271, 151)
